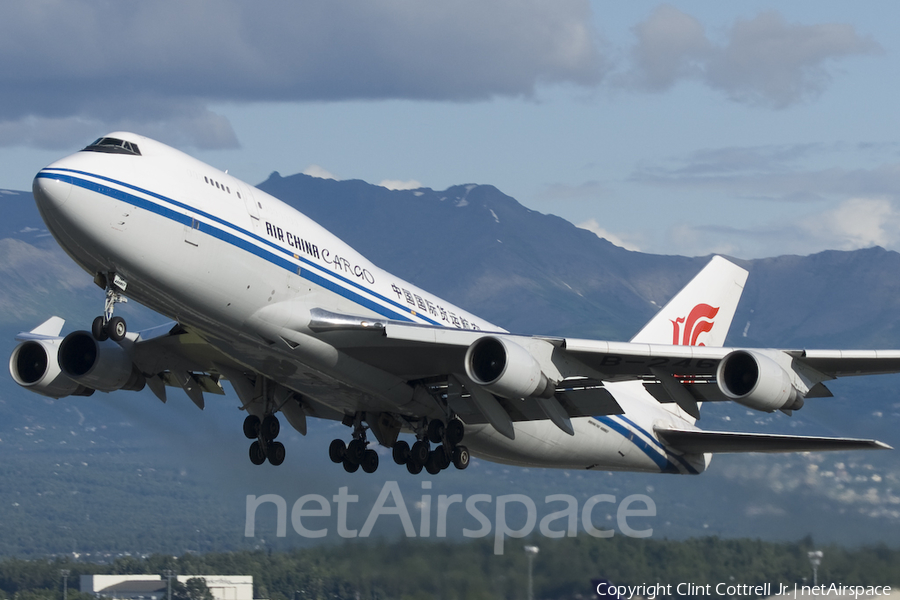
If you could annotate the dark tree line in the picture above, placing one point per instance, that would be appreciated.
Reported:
(412, 569)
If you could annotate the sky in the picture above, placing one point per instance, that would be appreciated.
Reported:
(751, 129)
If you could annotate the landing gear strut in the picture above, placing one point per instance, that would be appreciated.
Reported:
(107, 326)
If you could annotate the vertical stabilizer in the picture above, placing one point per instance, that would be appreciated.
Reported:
(701, 313)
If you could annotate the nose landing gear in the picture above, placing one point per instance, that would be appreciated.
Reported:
(107, 326)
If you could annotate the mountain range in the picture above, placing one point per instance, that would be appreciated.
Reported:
(122, 472)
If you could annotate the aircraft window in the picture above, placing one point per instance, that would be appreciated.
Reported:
(218, 185)
(113, 146)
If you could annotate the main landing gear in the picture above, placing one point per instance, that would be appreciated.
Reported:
(107, 326)
(448, 450)
(356, 454)
(264, 432)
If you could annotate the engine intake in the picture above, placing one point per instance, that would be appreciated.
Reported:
(757, 382)
(506, 369)
(104, 366)
(33, 365)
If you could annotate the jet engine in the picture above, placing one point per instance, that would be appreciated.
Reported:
(506, 369)
(104, 366)
(757, 382)
(34, 366)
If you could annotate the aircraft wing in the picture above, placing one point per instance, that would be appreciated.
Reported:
(574, 371)
(445, 348)
(685, 375)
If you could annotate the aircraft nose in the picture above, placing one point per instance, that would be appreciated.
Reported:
(50, 191)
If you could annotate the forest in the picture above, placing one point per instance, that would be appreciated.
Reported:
(415, 569)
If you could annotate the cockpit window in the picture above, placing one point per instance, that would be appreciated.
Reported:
(113, 146)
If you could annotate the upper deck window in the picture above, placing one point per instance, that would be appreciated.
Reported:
(114, 146)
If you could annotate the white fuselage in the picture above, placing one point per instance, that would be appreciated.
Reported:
(224, 259)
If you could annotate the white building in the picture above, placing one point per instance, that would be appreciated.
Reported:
(154, 587)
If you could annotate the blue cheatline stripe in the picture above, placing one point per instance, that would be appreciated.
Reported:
(662, 448)
(657, 455)
(398, 311)
(660, 459)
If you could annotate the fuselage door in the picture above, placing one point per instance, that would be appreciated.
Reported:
(250, 202)
(192, 232)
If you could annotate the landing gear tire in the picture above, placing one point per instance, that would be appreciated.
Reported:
(350, 466)
(455, 432)
(257, 456)
(98, 330)
(419, 452)
(337, 451)
(461, 457)
(414, 467)
(401, 452)
(432, 465)
(435, 431)
(275, 453)
(370, 461)
(251, 427)
(356, 451)
(116, 329)
(441, 458)
(271, 427)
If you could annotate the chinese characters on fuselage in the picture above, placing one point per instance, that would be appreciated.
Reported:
(428, 307)
(421, 304)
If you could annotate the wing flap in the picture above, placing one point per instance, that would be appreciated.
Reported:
(700, 442)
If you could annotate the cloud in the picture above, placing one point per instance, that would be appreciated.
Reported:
(856, 223)
(164, 62)
(776, 173)
(850, 224)
(763, 61)
(811, 206)
(394, 184)
(319, 172)
(671, 45)
(770, 62)
(593, 226)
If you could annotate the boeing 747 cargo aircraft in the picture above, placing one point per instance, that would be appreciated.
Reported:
(301, 325)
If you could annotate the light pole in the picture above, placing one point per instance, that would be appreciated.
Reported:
(815, 559)
(531, 551)
(65, 576)
(168, 574)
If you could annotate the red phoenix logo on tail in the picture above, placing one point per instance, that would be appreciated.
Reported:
(700, 320)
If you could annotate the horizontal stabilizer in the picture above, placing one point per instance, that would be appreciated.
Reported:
(699, 442)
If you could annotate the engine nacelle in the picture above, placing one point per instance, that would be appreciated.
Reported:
(506, 369)
(104, 366)
(34, 366)
(757, 382)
